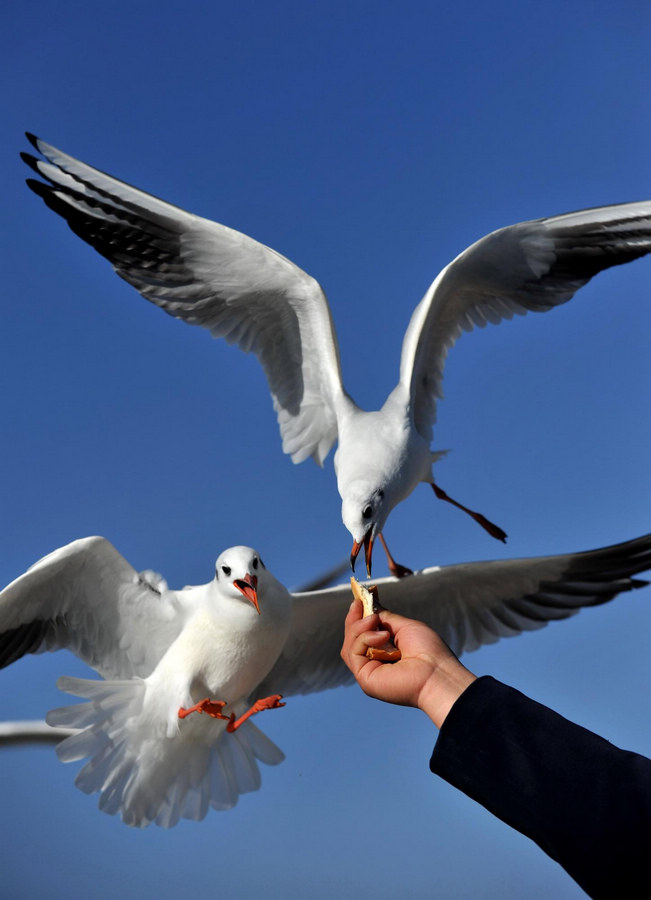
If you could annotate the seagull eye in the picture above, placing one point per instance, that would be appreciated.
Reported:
(255, 562)
(226, 570)
(367, 512)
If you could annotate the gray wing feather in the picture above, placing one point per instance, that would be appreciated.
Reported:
(86, 597)
(531, 266)
(469, 605)
(210, 275)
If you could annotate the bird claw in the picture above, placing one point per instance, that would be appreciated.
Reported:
(212, 708)
(272, 702)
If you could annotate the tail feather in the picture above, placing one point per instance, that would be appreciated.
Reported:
(223, 791)
(89, 742)
(111, 797)
(246, 774)
(146, 776)
(263, 748)
(96, 773)
(82, 714)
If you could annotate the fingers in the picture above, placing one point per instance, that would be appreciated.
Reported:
(393, 620)
(355, 613)
(370, 639)
(359, 634)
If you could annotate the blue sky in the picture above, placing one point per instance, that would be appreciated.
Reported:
(370, 143)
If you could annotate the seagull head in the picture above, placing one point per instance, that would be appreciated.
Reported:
(364, 511)
(237, 570)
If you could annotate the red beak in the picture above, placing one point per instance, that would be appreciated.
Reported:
(368, 552)
(249, 587)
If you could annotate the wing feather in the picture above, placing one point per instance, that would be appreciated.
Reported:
(531, 266)
(86, 597)
(469, 605)
(209, 275)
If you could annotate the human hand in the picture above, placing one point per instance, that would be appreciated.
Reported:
(428, 675)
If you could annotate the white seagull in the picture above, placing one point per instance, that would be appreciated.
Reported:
(168, 731)
(209, 275)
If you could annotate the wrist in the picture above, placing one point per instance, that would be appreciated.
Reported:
(443, 688)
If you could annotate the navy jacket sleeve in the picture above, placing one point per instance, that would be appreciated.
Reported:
(586, 803)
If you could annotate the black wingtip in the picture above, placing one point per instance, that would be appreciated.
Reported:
(32, 139)
(31, 161)
(38, 187)
(638, 583)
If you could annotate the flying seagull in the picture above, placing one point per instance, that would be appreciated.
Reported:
(209, 275)
(168, 730)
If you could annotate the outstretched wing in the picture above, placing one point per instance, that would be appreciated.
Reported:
(468, 605)
(530, 266)
(209, 275)
(86, 597)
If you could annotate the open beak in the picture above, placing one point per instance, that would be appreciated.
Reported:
(249, 587)
(368, 551)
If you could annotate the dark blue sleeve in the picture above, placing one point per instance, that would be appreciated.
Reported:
(586, 803)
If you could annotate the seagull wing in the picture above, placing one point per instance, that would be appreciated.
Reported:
(209, 275)
(468, 605)
(534, 266)
(86, 597)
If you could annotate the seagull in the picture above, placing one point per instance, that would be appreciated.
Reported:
(167, 731)
(210, 275)
(166, 658)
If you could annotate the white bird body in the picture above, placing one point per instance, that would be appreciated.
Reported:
(379, 450)
(209, 275)
(222, 651)
(160, 650)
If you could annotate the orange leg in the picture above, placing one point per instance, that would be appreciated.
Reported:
(395, 568)
(493, 530)
(211, 707)
(272, 702)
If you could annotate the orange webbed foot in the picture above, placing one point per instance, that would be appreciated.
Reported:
(272, 702)
(213, 708)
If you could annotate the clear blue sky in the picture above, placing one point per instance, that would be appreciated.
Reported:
(370, 143)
